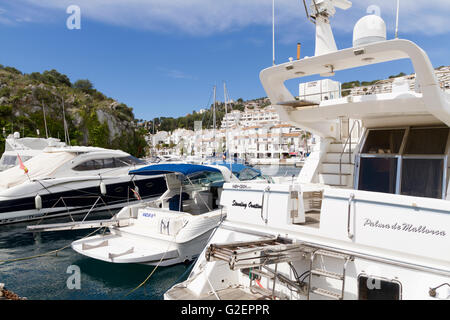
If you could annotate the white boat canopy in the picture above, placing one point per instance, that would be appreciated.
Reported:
(42, 165)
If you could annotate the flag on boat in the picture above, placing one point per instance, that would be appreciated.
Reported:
(22, 166)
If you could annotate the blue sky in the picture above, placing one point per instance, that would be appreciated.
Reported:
(162, 57)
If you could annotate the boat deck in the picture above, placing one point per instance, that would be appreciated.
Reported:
(181, 293)
(312, 219)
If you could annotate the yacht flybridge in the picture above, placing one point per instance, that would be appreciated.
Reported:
(369, 217)
(73, 180)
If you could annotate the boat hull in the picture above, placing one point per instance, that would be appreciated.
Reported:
(115, 248)
(63, 199)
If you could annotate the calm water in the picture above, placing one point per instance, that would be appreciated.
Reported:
(46, 277)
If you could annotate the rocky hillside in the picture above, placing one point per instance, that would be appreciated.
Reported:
(93, 119)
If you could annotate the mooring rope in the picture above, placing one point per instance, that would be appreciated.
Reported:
(47, 253)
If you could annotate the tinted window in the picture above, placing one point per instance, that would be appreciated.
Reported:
(378, 174)
(427, 141)
(377, 289)
(9, 160)
(108, 163)
(383, 141)
(126, 161)
(89, 165)
(422, 177)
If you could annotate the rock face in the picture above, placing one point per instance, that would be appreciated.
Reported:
(92, 118)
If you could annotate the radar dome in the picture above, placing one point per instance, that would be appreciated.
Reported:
(369, 29)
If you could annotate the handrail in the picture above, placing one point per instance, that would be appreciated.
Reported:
(262, 205)
(350, 200)
(349, 139)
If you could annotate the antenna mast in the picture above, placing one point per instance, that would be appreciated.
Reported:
(322, 12)
(396, 20)
(273, 32)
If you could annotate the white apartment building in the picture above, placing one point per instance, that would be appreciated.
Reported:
(408, 81)
(251, 117)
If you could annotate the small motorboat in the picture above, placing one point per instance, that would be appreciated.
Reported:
(173, 229)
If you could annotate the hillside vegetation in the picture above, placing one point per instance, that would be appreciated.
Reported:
(207, 117)
(93, 119)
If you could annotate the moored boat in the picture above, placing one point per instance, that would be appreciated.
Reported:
(368, 217)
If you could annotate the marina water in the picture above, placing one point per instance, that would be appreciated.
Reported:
(47, 277)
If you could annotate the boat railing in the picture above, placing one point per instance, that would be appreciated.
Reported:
(348, 142)
(378, 87)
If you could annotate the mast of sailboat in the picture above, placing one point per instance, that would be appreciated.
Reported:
(66, 130)
(226, 117)
(214, 122)
(225, 96)
(45, 120)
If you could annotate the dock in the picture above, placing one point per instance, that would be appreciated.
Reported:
(8, 295)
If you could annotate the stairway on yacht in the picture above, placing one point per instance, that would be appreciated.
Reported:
(338, 166)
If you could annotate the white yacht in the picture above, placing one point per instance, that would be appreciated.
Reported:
(72, 180)
(25, 147)
(369, 216)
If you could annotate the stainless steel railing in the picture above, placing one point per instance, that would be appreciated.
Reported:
(348, 143)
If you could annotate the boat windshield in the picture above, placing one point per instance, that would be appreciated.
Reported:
(11, 160)
(204, 178)
(248, 174)
(42, 165)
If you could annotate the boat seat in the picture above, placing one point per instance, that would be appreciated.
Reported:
(174, 202)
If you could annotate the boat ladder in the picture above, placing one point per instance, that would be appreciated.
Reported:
(251, 254)
(332, 294)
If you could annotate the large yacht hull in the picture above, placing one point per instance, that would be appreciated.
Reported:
(68, 196)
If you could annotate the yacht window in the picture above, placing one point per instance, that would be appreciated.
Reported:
(384, 141)
(10, 160)
(89, 165)
(422, 177)
(417, 169)
(97, 164)
(85, 166)
(108, 163)
(126, 161)
(378, 174)
(378, 289)
(427, 141)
